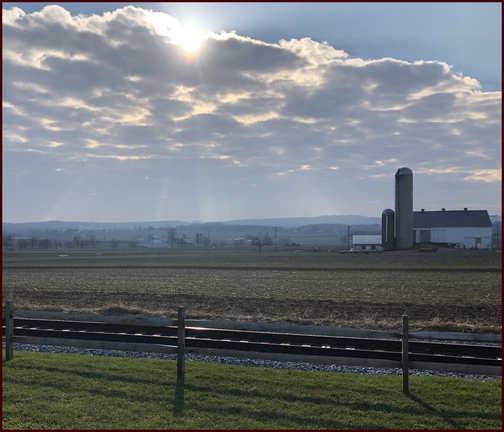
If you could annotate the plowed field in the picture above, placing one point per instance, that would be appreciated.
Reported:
(360, 291)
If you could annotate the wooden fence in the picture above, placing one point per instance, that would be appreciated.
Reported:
(9, 313)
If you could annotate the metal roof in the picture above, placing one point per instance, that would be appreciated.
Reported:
(452, 219)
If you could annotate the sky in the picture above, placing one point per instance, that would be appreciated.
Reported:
(122, 112)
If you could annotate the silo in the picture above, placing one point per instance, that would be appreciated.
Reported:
(404, 209)
(388, 229)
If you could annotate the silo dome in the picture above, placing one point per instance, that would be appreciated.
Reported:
(404, 171)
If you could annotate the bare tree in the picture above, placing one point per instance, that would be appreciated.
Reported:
(33, 242)
(93, 241)
(256, 241)
(115, 243)
(261, 241)
(45, 243)
(238, 243)
(80, 242)
(22, 243)
(7, 241)
(172, 232)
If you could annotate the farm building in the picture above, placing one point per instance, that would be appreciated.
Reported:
(468, 229)
(367, 242)
(153, 243)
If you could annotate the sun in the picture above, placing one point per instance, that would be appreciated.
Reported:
(189, 37)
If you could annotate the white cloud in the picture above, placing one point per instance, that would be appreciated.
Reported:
(117, 87)
(487, 176)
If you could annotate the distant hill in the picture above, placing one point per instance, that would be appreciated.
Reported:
(271, 222)
(80, 226)
(317, 220)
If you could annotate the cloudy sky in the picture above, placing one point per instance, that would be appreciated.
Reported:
(211, 112)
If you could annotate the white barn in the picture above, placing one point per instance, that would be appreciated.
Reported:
(468, 229)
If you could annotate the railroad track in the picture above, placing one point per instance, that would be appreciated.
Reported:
(264, 342)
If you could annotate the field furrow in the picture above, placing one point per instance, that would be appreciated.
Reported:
(450, 300)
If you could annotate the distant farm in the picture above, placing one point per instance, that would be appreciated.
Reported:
(448, 290)
(213, 235)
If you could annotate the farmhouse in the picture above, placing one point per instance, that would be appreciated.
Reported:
(468, 229)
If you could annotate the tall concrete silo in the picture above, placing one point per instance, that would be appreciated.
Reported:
(404, 209)
(388, 229)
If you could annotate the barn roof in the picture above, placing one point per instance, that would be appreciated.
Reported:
(452, 219)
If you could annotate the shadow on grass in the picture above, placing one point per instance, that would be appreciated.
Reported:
(113, 376)
(178, 404)
(69, 386)
(446, 417)
(422, 403)
(291, 421)
(237, 408)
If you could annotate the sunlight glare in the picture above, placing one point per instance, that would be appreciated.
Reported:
(189, 37)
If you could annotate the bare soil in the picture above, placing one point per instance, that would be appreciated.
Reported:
(440, 295)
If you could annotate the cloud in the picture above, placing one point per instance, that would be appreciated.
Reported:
(84, 91)
(488, 176)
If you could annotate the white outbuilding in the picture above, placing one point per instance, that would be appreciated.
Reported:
(468, 229)
(367, 243)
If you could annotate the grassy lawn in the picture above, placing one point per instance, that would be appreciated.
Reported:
(69, 391)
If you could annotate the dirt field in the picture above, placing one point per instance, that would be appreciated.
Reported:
(449, 290)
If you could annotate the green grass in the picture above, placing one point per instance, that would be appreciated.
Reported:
(69, 391)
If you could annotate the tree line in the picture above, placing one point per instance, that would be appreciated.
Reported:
(10, 243)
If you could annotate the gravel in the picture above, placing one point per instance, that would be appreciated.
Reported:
(311, 367)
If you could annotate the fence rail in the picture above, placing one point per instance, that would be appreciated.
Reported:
(266, 327)
(182, 337)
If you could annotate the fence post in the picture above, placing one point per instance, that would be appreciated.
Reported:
(9, 329)
(181, 342)
(405, 371)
